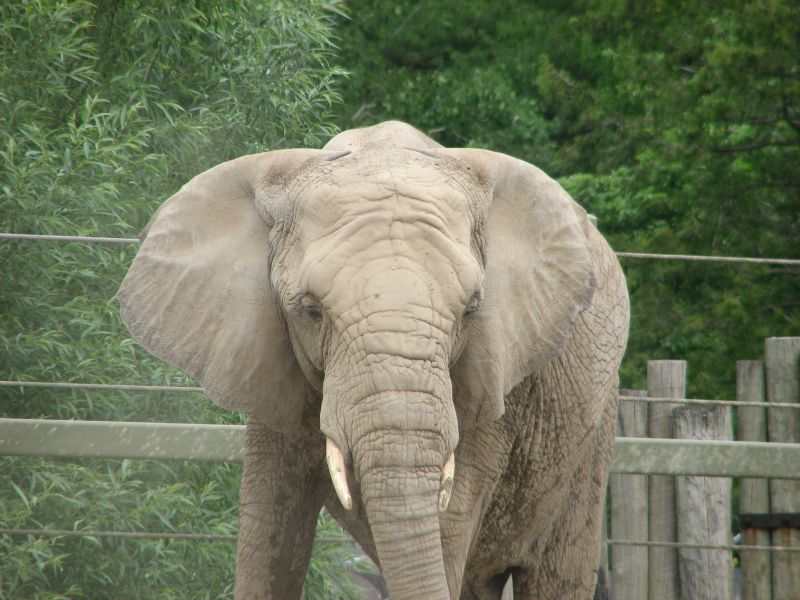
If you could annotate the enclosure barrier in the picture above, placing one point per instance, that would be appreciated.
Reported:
(787, 262)
(183, 441)
(669, 530)
(669, 494)
(685, 516)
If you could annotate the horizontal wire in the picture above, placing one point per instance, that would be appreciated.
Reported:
(722, 259)
(151, 535)
(762, 404)
(102, 386)
(192, 389)
(637, 255)
(703, 546)
(213, 537)
(145, 535)
(68, 238)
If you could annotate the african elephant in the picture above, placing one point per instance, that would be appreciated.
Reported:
(442, 327)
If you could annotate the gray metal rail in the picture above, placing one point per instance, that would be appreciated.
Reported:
(184, 441)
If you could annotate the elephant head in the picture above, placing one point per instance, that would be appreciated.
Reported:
(411, 285)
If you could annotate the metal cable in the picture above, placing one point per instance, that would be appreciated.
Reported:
(68, 238)
(638, 255)
(702, 546)
(145, 535)
(151, 535)
(213, 537)
(656, 400)
(102, 386)
(191, 389)
(723, 259)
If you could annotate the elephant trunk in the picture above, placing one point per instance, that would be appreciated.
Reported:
(400, 473)
(387, 410)
(404, 466)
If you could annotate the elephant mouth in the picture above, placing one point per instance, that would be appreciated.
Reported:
(336, 467)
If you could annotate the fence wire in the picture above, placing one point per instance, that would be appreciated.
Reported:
(732, 547)
(788, 262)
(102, 386)
(656, 400)
(193, 389)
(215, 537)
(150, 535)
(67, 238)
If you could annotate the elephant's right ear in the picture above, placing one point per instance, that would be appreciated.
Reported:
(539, 277)
(198, 295)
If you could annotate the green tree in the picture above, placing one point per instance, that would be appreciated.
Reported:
(106, 108)
(676, 123)
(458, 70)
(688, 139)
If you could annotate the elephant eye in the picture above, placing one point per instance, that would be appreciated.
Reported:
(311, 307)
(473, 305)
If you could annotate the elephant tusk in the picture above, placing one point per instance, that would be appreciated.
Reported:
(448, 471)
(335, 460)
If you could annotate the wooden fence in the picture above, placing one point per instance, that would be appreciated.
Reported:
(671, 536)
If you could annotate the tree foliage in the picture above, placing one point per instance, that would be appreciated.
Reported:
(676, 123)
(106, 108)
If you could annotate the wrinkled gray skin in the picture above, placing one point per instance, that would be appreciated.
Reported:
(404, 301)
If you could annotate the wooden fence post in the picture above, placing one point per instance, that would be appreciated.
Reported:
(782, 357)
(753, 493)
(704, 510)
(603, 576)
(665, 379)
(629, 509)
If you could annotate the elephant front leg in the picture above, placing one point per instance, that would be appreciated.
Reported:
(481, 458)
(280, 498)
(566, 560)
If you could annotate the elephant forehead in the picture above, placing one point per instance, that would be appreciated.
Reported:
(405, 192)
(408, 268)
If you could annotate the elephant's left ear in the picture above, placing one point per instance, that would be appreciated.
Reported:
(198, 295)
(539, 277)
